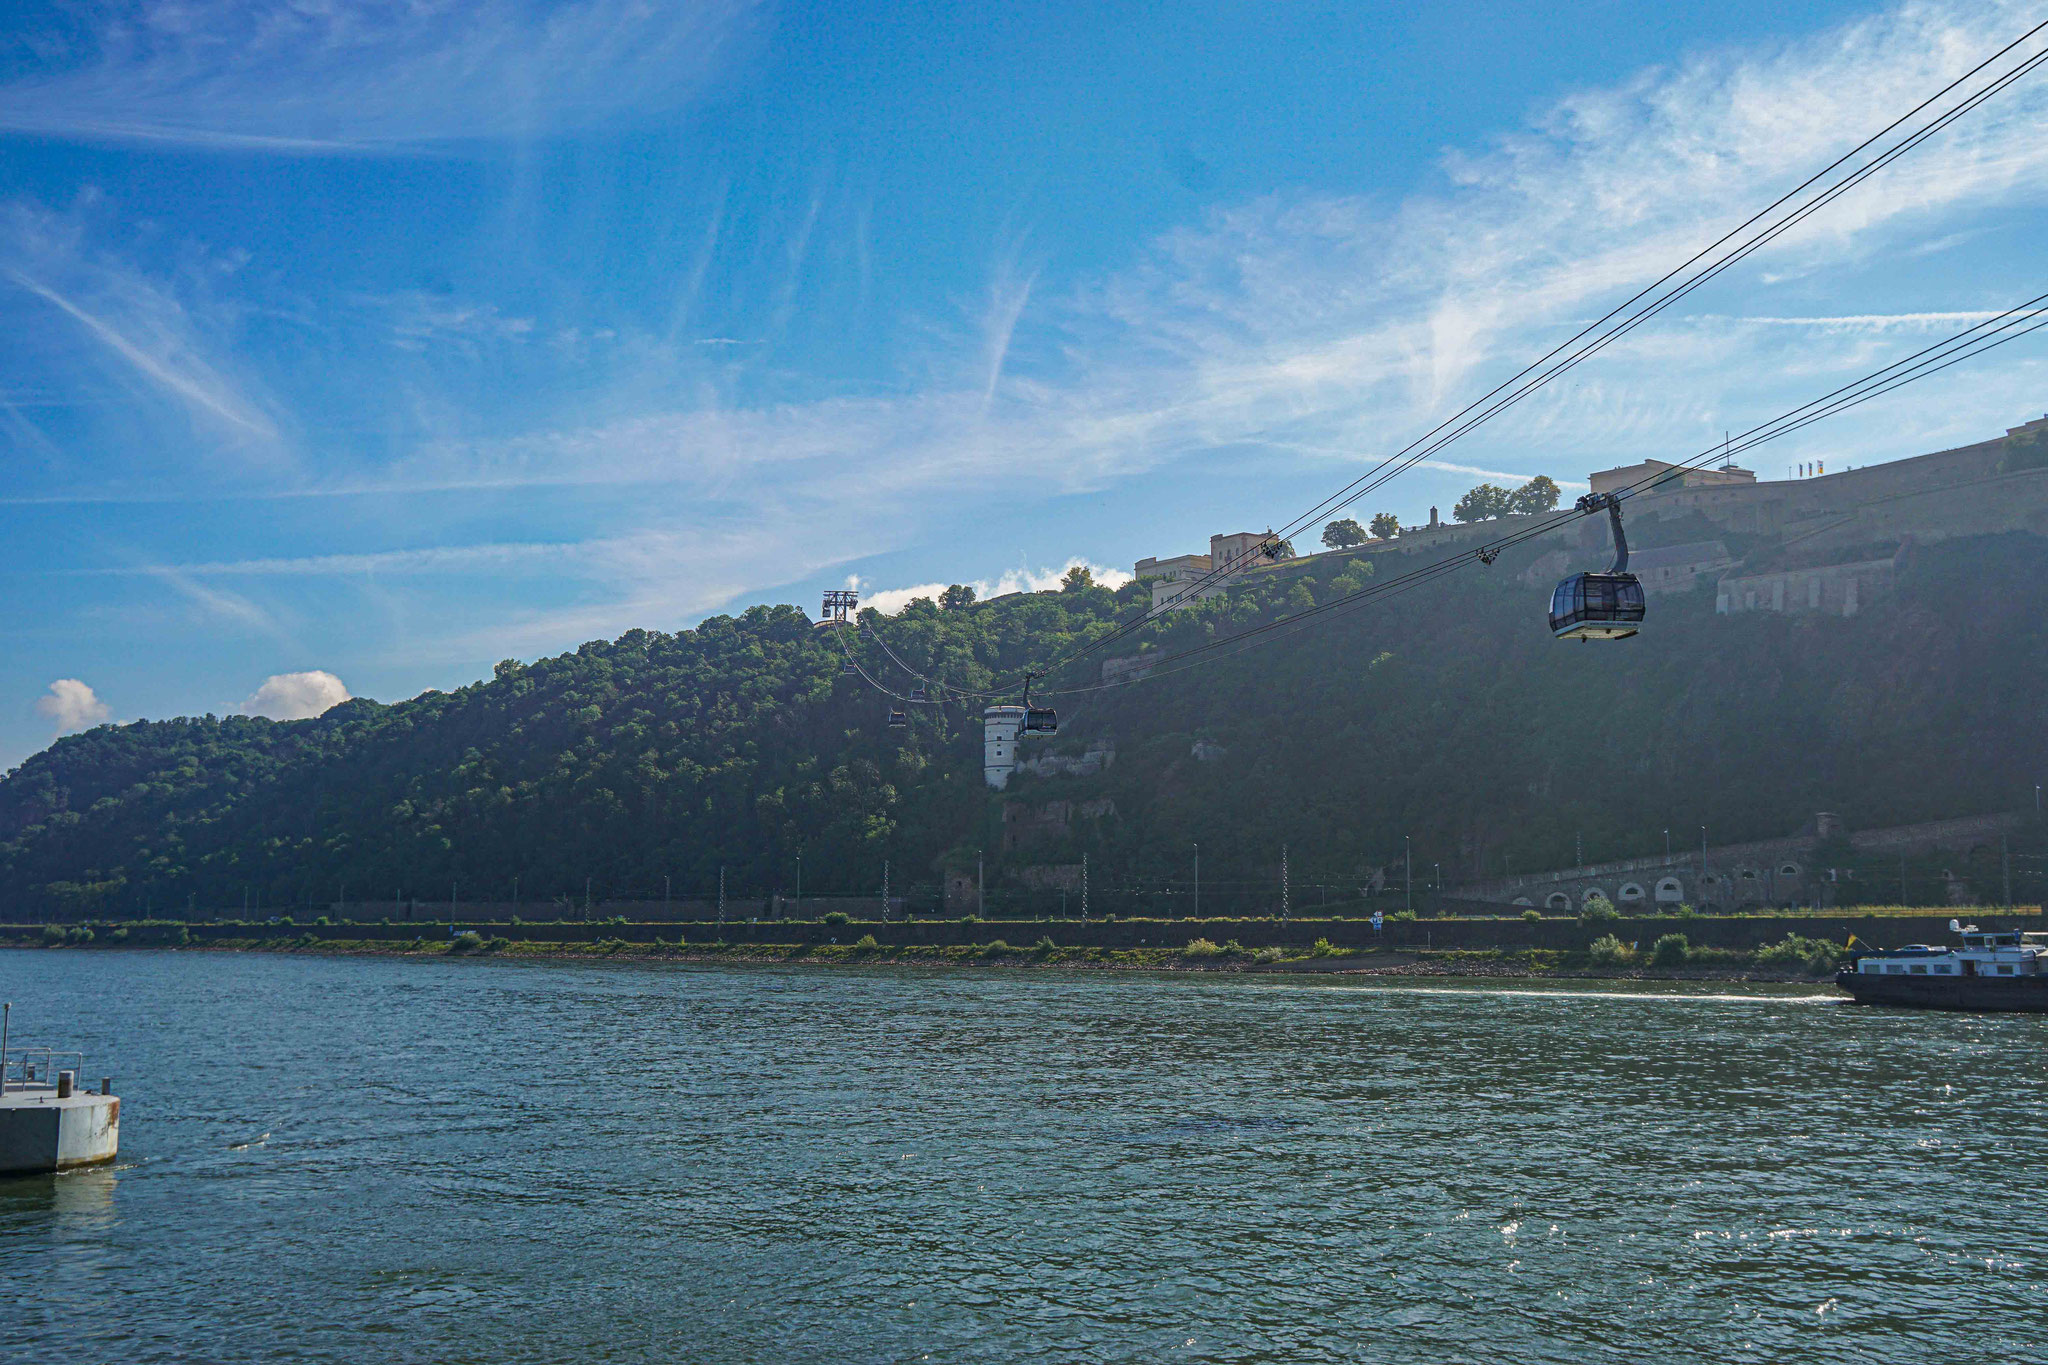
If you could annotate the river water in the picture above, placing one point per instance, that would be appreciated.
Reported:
(355, 1159)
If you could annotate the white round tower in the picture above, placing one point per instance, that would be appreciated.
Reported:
(1001, 726)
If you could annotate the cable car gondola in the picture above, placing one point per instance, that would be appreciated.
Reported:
(1038, 720)
(847, 670)
(917, 694)
(1599, 606)
(898, 720)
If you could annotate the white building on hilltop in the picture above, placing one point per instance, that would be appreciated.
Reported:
(1186, 579)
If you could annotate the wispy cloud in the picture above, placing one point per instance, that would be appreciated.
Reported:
(308, 78)
(142, 336)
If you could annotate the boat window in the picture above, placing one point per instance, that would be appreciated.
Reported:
(1944, 969)
(1919, 969)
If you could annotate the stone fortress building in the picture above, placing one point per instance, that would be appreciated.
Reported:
(1822, 543)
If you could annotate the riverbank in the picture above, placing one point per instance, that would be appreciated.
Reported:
(1201, 958)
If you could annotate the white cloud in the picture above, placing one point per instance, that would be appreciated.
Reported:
(99, 322)
(369, 73)
(889, 601)
(295, 696)
(71, 705)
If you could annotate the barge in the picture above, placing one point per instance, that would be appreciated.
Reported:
(1996, 970)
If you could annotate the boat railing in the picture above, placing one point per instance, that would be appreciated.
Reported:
(37, 1068)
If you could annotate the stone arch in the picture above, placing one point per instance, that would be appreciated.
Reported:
(1670, 892)
(1632, 893)
(1788, 869)
(1590, 892)
(1559, 901)
(1524, 900)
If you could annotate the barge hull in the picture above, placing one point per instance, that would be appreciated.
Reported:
(2014, 995)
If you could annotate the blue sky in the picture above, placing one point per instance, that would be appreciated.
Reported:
(382, 341)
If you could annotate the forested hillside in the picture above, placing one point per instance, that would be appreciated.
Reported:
(1445, 716)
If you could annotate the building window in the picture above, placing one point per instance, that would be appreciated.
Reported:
(1670, 890)
(1631, 892)
(1789, 870)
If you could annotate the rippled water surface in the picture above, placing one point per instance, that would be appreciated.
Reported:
(481, 1161)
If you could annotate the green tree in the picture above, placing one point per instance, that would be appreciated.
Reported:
(1385, 525)
(1487, 501)
(1343, 533)
(957, 597)
(1538, 495)
(1078, 577)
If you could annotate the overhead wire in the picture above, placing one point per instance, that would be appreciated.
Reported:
(1965, 345)
(1542, 371)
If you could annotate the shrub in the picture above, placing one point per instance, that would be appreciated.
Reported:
(1404, 916)
(865, 944)
(1598, 910)
(1685, 911)
(1323, 948)
(995, 946)
(468, 941)
(1266, 955)
(53, 934)
(1608, 951)
(81, 933)
(1201, 947)
(119, 935)
(969, 921)
(181, 936)
(1045, 947)
(610, 945)
(1816, 955)
(1532, 915)
(1671, 950)
(322, 922)
(838, 919)
(1233, 949)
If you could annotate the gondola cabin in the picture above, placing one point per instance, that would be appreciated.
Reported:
(1597, 606)
(1041, 720)
(898, 720)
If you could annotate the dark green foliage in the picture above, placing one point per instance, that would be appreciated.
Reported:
(1343, 533)
(838, 919)
(1445, 713)
(1598, 910)
(1670, 950)
(1045, 945)
(1816, 956)
(866, 943)
(1532, 914)
(1608, 951)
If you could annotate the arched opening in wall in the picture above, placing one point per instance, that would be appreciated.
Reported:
(1593, 893)
(1524, 900)
(1788, 869)
(1558, 901)
(1669, 892)
(1631, 893)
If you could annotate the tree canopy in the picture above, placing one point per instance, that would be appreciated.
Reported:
(1343, 533)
